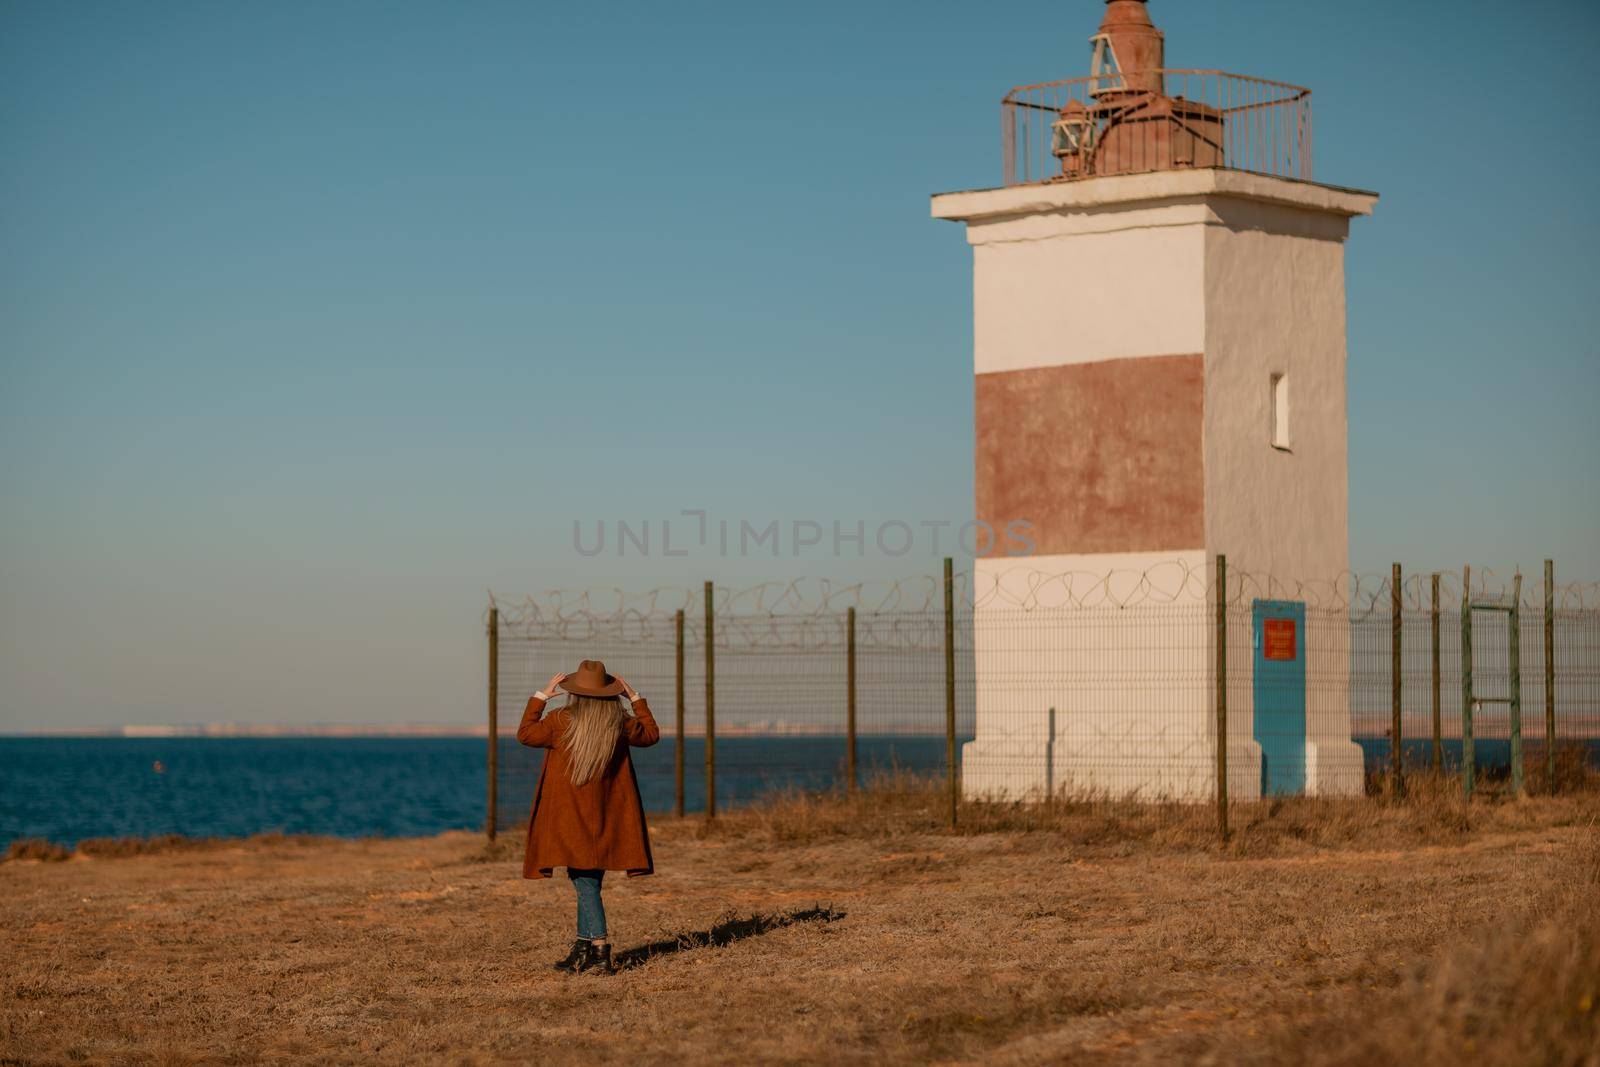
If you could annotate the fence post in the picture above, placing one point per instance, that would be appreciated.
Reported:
(711, 707)
(494, 721)
(1222, 697)
(1050, 758)
(1469, 764)
(1550, 674)
(950, 684)
(677, 756)
(1437, 761)
(1396, 741)
(1514, 664)
(850, 696)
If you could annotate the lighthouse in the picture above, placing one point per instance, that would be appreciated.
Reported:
(1159, 378)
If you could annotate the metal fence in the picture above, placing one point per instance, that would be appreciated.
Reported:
(800, 701)
(1101, 690)
(1153, 121)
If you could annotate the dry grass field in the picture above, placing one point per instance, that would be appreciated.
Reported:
(828, 931)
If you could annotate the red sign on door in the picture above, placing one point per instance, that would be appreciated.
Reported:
(1278, 638)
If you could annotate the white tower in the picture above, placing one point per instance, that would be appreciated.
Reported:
(1159, 324)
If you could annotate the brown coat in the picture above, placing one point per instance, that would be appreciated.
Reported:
(598, 825)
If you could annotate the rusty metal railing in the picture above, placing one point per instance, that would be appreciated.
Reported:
(1145, 121)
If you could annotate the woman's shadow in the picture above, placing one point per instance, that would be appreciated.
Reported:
(724, 933)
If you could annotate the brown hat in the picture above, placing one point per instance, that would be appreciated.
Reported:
(591, 680)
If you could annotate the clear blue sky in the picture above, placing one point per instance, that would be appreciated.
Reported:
(319, 319)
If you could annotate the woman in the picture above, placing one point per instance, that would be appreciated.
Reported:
(587, 815)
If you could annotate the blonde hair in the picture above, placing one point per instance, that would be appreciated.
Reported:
(593, 726)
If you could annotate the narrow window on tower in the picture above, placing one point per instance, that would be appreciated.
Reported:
(1280, 412)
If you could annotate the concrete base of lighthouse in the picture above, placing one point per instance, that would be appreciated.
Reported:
(1095, 677)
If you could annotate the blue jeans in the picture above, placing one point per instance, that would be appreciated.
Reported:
(591, 913)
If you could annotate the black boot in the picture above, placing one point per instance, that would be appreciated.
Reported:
(598, 958)
(575, 958)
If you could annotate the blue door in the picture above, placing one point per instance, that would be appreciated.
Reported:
(1278, 632)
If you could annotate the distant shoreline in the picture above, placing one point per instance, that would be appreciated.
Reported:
(226, 730)
(235, 731)
(420, 731)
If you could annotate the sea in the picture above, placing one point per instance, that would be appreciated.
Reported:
(65, 789)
